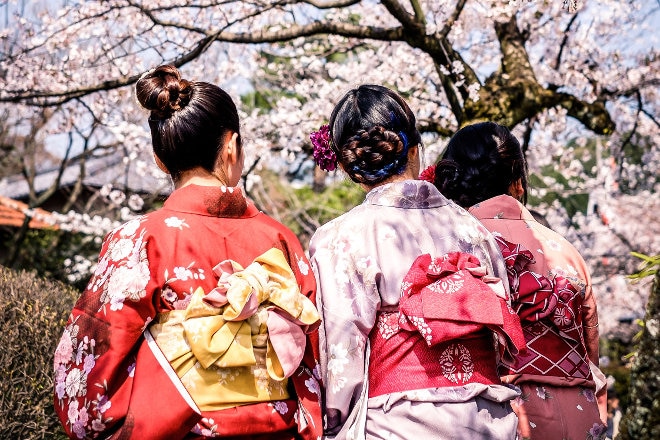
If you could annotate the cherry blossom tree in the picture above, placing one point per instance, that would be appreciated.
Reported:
(563, 75)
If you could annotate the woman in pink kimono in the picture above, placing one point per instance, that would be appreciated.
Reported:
(483, 169)
(412, 291)
(199, 321)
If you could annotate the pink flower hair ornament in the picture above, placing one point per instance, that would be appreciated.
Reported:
(324, 155)
(428, 174)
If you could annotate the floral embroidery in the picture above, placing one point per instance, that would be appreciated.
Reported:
(338, 360)
(388, 324)
(281, 407)
(597, 432)
(542, 393)
(413, 194)
(303, 267)
(456, 363)
(206, 427)
(175, 222)
(313, 386)
(74, 360)
(448, 285)
(588, 394)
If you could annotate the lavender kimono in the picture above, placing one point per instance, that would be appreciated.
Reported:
(360, 260)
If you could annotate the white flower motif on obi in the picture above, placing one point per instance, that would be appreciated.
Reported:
(456, 363)
(281, 407)
(182, 273)
(130, 228)
(449, 285)
(388, 324)
(175, 222)
(338, 358)
(422, 327)
(121, 249)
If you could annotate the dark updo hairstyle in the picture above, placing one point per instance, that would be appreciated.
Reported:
(189, 120)
(481, 161)
(372, 129)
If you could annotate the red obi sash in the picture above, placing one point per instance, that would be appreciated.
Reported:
(550, 311)
(452, 317)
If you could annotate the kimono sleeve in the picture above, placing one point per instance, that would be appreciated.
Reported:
(348, 313)
(95, 359)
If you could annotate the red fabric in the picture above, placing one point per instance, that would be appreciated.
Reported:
(551, 312)
(150, 265)
(452, 303)
(405, 362)
(451, 297)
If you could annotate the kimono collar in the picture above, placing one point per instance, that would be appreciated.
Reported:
(503, 206)
(407, 194)
(214, 201)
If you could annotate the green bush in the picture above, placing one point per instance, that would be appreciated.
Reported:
(33, 313)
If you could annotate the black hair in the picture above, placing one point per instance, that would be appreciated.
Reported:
(371, 129)
(481, 161)
(189, 120)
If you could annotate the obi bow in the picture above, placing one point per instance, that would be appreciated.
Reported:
(452, 297)
(262, 301)
(534, 296)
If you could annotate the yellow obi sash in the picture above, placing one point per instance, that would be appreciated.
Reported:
(239, 343)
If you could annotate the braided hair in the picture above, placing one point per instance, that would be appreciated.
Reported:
(372, 129)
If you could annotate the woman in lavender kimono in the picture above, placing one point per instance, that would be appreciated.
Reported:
(484, 170)
(412, 292)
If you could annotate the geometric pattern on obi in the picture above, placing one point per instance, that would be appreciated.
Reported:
(238, 343)
(550, 311)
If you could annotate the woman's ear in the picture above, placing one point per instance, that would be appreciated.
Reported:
(230, 152)
(161, 165)
(516, 190)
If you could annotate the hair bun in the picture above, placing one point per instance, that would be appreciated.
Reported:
(163, 91)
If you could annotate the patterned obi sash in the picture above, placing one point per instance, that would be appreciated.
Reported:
(551, 315)
(239, 343)
(453, 323)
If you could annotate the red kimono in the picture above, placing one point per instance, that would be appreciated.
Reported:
(111, 378)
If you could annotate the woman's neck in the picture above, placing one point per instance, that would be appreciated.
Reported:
(198, 176)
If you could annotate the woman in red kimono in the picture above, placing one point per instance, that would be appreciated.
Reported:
(484, 169)
(199, 319)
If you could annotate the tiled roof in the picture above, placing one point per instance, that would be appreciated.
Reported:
(12, 214)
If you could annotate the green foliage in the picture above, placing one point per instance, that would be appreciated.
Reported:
(32, 317)
(642, 418)
(333, 201)
(45, 252)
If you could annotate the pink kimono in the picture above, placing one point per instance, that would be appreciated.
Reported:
(551, 290)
